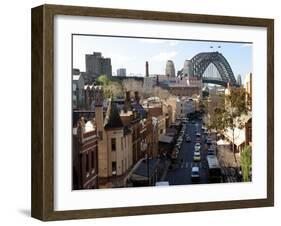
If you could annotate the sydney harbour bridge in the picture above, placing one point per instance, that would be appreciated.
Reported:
(211, 67)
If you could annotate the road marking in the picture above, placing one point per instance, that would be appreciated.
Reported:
(182, 165)
(186, 164)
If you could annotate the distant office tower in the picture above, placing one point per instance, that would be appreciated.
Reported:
(187, 69)
(239, 80)
(121, 72)
(97, 65)
(170, 69)
(146, 69)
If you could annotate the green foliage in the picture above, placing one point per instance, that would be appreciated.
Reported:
(235, 107)
(246, 162)
(205, 93)
(228, 116)
(217, 123)
(102, 80)
(111, 86)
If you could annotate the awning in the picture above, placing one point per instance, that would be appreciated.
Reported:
(222, 142)
(239, 136)
(166, 139)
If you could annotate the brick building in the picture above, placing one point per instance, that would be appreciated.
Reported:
(85, 155)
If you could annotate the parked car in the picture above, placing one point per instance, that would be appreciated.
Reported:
(198, 140)
(197, 146)
(209, 141)
(195, 174)
(211, 152)
(180, 139)
(196, 156)
(198, 134)
(178, 145)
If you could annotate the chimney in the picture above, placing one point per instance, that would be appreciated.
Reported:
(146, 69)
(137, 98)
(98, 96)
(127, 102)
(80, 129)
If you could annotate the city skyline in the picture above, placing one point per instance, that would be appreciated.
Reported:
(160, 130)
(131, 53)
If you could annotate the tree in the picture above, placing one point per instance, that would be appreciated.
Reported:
(215, 121)
(246, 162)
(161, 93)
(205, 93)
(213, 107)
(111, 86)
(132, 85)
(230, 115)
(102, 80)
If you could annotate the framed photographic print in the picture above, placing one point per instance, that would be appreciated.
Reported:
(142, 112)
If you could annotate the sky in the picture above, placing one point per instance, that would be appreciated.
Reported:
(131, 53)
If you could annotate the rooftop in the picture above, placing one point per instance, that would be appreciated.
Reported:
(112, 118)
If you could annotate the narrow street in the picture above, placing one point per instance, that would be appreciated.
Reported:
(180, 172)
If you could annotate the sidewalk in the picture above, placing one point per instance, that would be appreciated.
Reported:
(227, 163)
(225, 156)
(167, 164)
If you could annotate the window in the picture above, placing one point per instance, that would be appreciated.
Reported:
(250, 133)
(93, 161)
(113, 144)
(87, 162)
(113, 165)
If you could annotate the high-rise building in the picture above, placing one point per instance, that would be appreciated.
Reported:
(121, 72)
(170, 69)
(239, 80)
(97, 65)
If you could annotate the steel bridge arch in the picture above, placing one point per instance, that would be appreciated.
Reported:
(201, 61)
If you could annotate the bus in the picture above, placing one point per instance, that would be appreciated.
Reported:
(214, 169)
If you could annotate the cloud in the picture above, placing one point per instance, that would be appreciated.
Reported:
(163, 56)
(118, 60)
